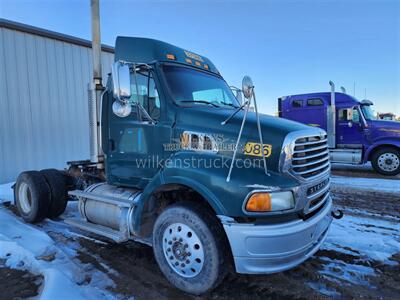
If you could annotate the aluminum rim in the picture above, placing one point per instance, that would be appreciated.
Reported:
(183, 250)
(388, 162)
(25, 197)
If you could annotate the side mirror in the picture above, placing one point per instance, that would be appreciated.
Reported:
(121, 81)
(247, 87)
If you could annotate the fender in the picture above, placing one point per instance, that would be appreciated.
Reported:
(394, 142)
(162, 179)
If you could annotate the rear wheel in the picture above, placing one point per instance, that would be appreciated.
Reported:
(58, 192)
(190, 248)
(32, 196)
(386, 161)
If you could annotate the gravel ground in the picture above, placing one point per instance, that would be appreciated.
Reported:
(345, 268)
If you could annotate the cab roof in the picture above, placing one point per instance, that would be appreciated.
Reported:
(144, 50)
(340, 98)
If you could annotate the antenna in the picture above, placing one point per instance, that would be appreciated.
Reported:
(354, 89)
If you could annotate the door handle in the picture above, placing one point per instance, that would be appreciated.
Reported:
(111, 144)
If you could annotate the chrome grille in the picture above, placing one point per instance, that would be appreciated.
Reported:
(310, 156)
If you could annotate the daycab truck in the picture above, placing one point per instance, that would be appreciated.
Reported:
(355, 135)
(198, 222)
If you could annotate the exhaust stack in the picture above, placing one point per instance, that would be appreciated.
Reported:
(95, 88)
(331, 128)
(343, 90)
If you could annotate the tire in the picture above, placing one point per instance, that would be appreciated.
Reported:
(58, 192)
(32, 196)
(199, 227)
(386, 161)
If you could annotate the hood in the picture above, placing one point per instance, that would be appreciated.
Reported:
(385, 128)
(206, 119)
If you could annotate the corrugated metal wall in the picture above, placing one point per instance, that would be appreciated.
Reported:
(43, 101)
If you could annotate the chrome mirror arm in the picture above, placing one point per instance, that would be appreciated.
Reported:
(247, 105)
(260, 133)
(234, 113)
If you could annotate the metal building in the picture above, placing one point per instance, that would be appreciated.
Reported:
(43, 98)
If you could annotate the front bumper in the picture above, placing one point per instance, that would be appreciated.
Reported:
(263, 249)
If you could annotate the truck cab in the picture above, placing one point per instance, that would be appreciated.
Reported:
(357, 136)
(168, 124)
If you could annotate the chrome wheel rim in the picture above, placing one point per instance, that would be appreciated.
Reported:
(183, 250)
(25, 197)
(388, 162)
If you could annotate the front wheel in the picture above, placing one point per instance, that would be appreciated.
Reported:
(190, 248)
(386, 161)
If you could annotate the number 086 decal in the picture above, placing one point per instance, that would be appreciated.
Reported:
(254, 149)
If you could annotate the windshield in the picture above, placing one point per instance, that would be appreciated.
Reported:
(368, 112)
(189, 85)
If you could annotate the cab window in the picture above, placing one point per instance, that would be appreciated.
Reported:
(315, 102)
(297, 103)
(356, 115)
(144, 92)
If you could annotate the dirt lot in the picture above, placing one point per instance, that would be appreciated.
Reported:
(349, 265)
(18, 284)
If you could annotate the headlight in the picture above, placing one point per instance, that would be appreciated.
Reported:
(270, 201)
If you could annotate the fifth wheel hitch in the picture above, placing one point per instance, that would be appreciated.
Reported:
(337, 214)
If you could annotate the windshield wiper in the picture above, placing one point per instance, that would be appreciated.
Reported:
(229, 104)
(200, 101)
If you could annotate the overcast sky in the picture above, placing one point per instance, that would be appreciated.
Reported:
(287, 47)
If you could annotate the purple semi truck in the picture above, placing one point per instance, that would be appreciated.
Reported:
(355, 135)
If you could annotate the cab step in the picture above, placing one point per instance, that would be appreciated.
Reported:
(107, 232)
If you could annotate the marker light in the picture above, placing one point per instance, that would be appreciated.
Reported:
(205, 66)
(198, 63)
(266, 202)
(188, 60)
(259, 202)
(171, 56)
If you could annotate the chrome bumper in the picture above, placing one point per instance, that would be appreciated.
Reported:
(263, 249)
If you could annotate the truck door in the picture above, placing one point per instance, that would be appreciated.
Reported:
(349, 133)
(135, 143)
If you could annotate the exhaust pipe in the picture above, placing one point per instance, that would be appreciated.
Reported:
(331, 111)
(343, 90)
(95, 88)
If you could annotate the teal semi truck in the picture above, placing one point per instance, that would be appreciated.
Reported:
(162, 172)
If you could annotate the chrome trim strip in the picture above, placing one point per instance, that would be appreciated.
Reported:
(318, 205)
(313, 169)
(310, 149)
(311, 156)
(311, 162)
(311, 143)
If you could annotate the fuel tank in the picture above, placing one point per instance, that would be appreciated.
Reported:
(109, 205)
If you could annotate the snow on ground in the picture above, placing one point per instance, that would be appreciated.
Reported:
(363, 241)
(6, 192)
(366, 237)
(370, 184)
(26, 247)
